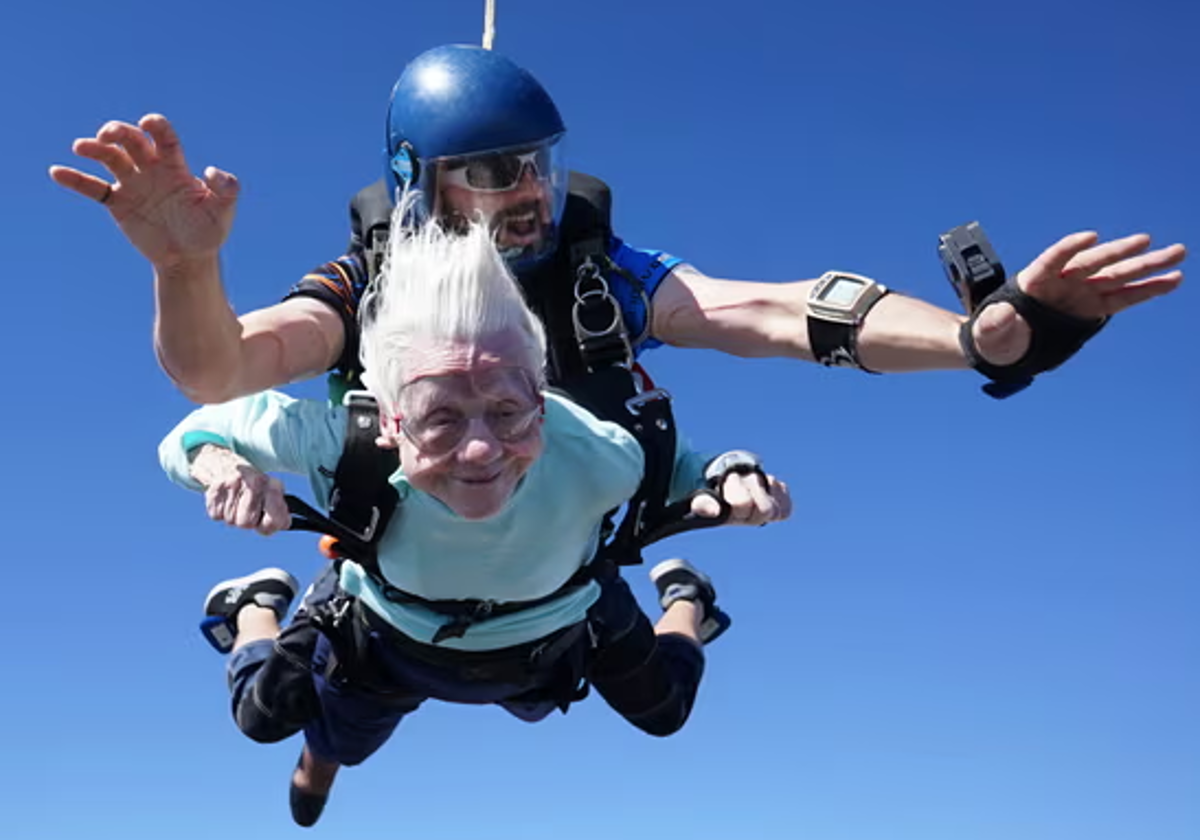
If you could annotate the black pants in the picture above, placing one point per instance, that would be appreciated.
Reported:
(649, 680)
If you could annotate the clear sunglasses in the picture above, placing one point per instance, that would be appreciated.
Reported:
(494, 171)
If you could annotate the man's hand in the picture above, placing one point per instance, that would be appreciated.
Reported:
(751, 501)
(1082, 277)
(171, 216)
(237, 493)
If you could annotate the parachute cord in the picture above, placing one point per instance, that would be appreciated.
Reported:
(489, 23)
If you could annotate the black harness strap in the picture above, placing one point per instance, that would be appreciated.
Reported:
(370, 221)
(362, 501)
(605, 382)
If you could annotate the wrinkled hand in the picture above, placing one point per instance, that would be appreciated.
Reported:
(1083, 277)
(751, 502)
(238, 494)
(169, 214)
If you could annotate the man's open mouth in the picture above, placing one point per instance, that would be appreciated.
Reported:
(520, 228)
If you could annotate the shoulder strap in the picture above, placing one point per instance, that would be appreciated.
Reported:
(362, 501)
(370, 220)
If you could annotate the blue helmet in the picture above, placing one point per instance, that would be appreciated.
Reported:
(468, 111)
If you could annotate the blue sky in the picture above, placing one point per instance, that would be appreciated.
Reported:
(981, 622)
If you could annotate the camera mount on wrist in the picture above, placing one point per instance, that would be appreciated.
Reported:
(971, 264)
(979, 280)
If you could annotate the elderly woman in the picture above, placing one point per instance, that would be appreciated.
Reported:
(503, 488)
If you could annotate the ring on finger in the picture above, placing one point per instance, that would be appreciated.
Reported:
(108, 191)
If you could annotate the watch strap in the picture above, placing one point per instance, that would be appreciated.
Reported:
(833, 343)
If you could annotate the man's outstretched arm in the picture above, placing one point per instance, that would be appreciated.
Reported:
(179, 222)
(1078, 276)
(214, 356)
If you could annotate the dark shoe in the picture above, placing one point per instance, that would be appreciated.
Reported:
(307, 807)
(677, 580)
(273, 589)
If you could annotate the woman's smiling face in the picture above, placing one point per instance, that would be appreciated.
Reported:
(468, 424)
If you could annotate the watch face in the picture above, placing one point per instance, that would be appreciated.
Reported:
(841, 291)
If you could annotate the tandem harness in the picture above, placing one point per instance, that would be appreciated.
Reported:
(590, 362)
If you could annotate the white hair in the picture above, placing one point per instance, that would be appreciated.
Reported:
(438, 287)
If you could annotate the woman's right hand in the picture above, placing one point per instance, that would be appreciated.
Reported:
(239, 494)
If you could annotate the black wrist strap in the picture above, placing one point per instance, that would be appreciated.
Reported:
(1054, 337)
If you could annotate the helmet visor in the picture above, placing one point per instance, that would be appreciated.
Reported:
(520, 192)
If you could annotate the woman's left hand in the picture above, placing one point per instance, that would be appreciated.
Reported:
(751, 501)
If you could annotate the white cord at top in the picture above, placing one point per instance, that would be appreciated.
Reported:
(489, 23)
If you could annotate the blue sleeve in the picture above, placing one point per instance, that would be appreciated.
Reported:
(340, 285)
(641, 272)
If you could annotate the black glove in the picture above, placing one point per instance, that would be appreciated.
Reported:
(1055, 337)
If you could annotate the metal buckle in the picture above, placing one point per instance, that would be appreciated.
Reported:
(360, 399)
(367, 533)
(592, 291)
(360, 396)
(588, 270)
(635, 403)
(615, 323)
